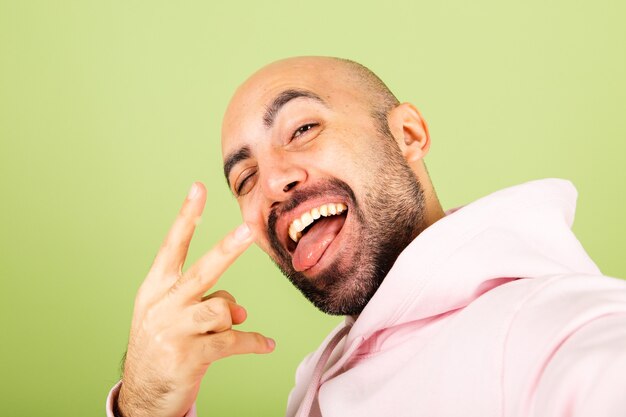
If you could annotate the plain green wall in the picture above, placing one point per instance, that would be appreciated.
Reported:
(109, 110)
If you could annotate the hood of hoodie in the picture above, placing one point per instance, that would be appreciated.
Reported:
(518, 232)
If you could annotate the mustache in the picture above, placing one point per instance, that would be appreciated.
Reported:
(301, 195)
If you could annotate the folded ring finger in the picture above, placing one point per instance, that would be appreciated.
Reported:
(213, 315)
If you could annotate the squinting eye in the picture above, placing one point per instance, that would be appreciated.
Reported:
(303, 129)
(244, 186)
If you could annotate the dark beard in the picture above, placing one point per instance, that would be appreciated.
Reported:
(389, 217)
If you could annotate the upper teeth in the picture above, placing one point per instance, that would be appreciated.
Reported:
(298, 225)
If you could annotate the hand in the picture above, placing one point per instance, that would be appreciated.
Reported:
(177, 331)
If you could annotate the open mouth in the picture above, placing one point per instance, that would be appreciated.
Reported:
(311, 234)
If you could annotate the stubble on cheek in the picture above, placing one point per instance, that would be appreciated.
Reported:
(382, 224)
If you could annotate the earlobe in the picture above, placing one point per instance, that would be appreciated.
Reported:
(410, 131)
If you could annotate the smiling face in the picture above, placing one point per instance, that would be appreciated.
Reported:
(324, 186)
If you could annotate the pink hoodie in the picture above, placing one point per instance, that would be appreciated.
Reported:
(495, 310)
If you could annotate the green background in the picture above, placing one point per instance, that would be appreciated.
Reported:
(109, 110)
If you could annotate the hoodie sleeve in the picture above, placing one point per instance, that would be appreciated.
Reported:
(586, 376)
(112, 398)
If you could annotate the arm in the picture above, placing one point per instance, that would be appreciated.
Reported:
(177, 331)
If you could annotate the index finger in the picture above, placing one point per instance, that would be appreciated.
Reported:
(203, 275)
(174, 249)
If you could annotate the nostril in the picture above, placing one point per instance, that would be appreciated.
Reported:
(289, 186)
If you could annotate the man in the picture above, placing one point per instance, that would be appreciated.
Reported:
(492, 310)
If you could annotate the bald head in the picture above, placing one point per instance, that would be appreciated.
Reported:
(330, 72)
(378, 96)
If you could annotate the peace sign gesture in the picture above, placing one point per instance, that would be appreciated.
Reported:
(177, 331)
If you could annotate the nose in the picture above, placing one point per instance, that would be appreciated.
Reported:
(279, 182)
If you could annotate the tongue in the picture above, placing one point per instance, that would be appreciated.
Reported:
(315, 241)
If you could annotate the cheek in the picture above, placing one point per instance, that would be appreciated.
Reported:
(337, 153)
(349, 160)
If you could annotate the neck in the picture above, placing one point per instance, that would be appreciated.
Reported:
(433, 210)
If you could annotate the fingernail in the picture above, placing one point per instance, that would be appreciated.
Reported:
(270, 343)
(193, 191)
(243, 232)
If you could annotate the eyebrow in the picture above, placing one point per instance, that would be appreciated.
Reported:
(283, 98)
(233, 159)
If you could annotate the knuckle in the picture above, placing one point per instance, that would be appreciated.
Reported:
(151, 316)
(218, 344)
(204, 314)
(220, 304)
(165, 345)
(185, 214)
(221, 342)
(224, 247)
(229, 338)
(260, 341)
(161, 338)
(148, 327)
(168, 245)
(212, 310)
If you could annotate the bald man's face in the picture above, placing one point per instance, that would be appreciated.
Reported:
(328, 195)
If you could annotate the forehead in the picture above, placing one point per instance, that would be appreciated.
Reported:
(245, 112)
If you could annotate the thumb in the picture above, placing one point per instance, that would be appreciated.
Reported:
(235, 342)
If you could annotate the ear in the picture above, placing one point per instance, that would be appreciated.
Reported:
(410, 131)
